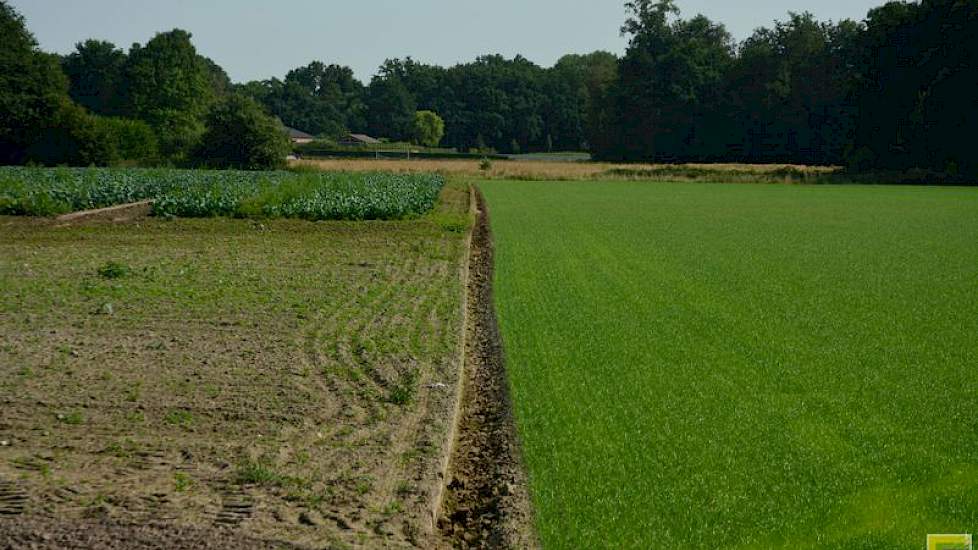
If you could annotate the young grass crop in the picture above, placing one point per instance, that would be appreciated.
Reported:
(742, 366)
(198, 193)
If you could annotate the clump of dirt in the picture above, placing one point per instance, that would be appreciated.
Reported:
(486, 503)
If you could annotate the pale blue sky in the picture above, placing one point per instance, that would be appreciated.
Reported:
(258, 39)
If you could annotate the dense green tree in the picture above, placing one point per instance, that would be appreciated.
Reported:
(33, 89)
(429, 128)
(790, 92)
(127, 139)
(96, 72)
(170, 87)
(390, 108)
(324, 100)
(221, 85)
(670, 84)
(71, 136)
(684, 94)
(918, 87)
(78, 138)
(241, 135)
(337, 87)
(501, 100)
(575, 88)
(296, 107)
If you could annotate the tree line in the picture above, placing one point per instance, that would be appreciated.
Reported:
(893, 92)
(158, 103)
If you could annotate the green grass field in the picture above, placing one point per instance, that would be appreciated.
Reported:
(742, 366)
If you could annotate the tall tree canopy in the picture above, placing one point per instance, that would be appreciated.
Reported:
(918, 87)
(96, 71)
(324, 100)
(670, 83)
(790, 93)
(390, 108)
(575, 86)
(33, 89)
(896, 92)
(170, 87)
(241, 135)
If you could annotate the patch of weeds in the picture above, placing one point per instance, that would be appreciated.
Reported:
(134, 392)
(114, 270)
(212, 391)
(404, 489)
(72, 418)
(182, 482)
(121, 449)
(303, 493)
(98, 500)
(403, 392)
(410, 456)
(136, 417)
(392, 508)
(452, 223)
(315, 500)
(252, 472)
(179, 417)
(348, 373)
(363, 487)
(34, 464)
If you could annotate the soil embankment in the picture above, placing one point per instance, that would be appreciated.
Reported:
(486, 503)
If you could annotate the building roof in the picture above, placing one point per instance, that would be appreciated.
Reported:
(298, 134)
(363, 138)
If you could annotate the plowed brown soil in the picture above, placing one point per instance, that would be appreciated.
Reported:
(242, 384)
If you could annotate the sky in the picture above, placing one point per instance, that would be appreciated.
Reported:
(259, 39)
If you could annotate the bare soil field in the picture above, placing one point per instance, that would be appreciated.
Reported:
(263, 384)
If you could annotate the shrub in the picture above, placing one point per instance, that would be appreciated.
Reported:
(429, 128)
(71, 137)
(129, 140)
(240, 135)
(76, 137)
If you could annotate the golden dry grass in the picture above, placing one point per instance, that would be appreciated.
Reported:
(541, 170)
